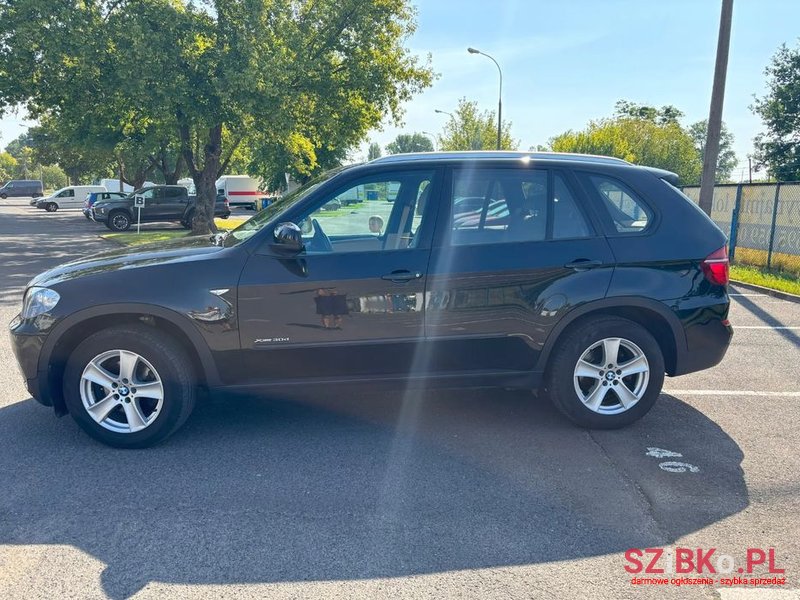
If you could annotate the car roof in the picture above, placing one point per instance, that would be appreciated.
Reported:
(497, 155)
(501, 156)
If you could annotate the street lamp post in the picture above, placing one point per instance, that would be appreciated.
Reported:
(443, 112)
(499, 97)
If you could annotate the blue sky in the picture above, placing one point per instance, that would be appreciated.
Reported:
(567, 62)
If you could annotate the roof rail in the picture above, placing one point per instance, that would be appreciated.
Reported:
(488, 154)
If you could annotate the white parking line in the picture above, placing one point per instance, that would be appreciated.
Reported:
(794, 394)
(735, 327)
(747, 295)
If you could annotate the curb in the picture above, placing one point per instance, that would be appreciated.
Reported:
(767, 291)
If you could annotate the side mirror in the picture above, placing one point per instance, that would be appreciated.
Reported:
(288, 238)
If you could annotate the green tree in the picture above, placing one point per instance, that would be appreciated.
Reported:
(298, 81)
(779, 147)
(410, 142)
(8, 165)
(471, 129)
(650, 138)
(661, 116)
(54, 177)
(374, 151)
(727, 161)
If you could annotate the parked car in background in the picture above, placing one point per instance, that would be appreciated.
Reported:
(95, 196)
(240, 190)
(17, 188)
(163, 203)
(72, 196)
(603, 279)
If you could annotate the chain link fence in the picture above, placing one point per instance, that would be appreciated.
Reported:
(761, 220)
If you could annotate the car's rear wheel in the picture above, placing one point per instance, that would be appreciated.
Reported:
(119, 221)
(606, 374)
(129, 386)
(51, 207)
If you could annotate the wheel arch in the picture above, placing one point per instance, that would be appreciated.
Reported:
(69, 333)
(654, 316)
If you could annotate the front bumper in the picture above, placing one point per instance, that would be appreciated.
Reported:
(26, 343)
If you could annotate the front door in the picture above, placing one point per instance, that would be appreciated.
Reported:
(352, 303)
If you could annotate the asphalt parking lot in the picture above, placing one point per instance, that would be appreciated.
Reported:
(478, 494)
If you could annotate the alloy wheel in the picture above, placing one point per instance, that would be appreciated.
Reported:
(611, 376)
(121, 391)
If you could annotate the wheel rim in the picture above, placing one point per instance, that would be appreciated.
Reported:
(611, 376)
(119, 221)
(121, 391)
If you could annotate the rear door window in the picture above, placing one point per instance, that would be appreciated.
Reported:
(495, 206)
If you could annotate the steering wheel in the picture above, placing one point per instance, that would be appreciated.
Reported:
(320, 241)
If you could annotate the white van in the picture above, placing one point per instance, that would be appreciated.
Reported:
(240, 190)
(72, 196)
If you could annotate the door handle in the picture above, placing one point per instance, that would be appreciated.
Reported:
(401, 276)
(583, 264)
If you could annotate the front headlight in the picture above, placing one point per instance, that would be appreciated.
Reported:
(38, 301)
(99, 209)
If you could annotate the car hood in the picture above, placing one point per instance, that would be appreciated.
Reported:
(173, 251)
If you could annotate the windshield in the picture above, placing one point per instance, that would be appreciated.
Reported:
(249, 228)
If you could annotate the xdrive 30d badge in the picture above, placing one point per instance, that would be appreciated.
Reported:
(585, 277)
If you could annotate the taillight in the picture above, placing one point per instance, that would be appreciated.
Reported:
(715, 266)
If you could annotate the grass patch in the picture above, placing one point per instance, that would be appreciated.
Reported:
(128, 238)
(131, 238)
(230, 223)
(783, 282)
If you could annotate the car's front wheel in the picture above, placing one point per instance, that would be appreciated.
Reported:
(51, 207)
(129, 386)
(119, 221)
(606, 373)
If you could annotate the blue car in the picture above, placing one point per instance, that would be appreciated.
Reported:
(95, 196)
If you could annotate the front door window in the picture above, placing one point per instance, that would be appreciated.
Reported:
(375, 214)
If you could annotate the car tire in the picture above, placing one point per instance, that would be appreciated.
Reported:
(588, 392)
(4, 196)
(98, 374)
(51, 207)
(119, 220)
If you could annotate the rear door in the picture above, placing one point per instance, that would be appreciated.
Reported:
(504, 273)
(171, 203)
(352, 303)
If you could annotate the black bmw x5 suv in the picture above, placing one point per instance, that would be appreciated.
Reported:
(585, 277)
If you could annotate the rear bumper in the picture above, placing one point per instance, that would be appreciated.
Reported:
(707, 342)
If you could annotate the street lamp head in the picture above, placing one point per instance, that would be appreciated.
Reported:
(473, 51)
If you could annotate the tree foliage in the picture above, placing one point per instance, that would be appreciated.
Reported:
(374, 151)
(472, 129)
(650, 137)
(779, 147)
(665, 115)
(410, 142)
(296, 82)
(8, 165)
(726, 161)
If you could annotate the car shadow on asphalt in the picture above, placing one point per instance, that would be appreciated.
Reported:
(350, 487)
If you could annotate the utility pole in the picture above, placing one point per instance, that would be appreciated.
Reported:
(715, 113)
(750, 167)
